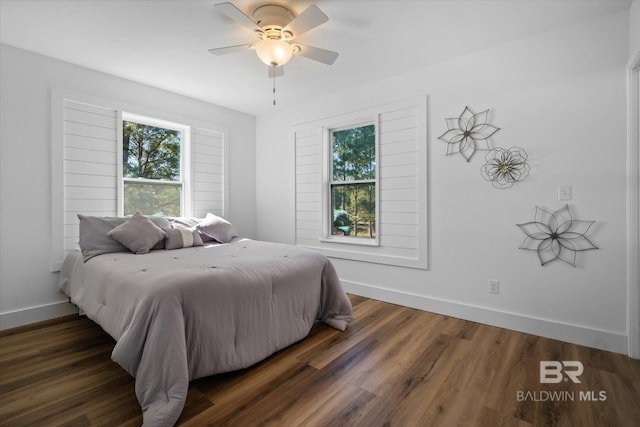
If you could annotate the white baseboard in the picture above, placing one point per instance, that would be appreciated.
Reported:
(36, 314)
(604, 340)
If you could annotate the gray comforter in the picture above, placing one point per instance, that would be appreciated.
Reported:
(189, 313)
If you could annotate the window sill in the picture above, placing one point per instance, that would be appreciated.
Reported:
(351, 241)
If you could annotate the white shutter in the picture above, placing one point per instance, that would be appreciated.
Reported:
(208, 158)
(308, 154)
(89, 165)
(399, 181)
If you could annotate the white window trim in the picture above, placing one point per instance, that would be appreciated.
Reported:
(376, 255)
(327, 208)
(185, 159)
(58, 96)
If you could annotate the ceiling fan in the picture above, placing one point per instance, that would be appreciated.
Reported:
(276, 26)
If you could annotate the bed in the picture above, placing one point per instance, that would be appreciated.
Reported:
(178, 315)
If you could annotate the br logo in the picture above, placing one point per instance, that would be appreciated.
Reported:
(553, 372)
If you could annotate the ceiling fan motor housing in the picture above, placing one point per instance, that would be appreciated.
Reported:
(272, 19)
(276, 26)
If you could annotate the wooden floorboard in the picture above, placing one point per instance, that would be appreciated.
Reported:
(393, 366)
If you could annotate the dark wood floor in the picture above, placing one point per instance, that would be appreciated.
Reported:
(393, 366)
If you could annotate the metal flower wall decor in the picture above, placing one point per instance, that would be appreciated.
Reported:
(556, 236)
(504, 166)
(468, 133)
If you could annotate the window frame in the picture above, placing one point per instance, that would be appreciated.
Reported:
(401, 124)
(64, 222)
(328, 182)
(185, 160)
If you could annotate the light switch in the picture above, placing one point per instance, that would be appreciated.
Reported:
(564, 192)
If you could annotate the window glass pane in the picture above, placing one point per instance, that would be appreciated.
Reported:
(354, 210)
(150, 152)
(152, 199)
(354, 153)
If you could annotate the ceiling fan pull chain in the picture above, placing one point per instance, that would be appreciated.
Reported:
(273, 64)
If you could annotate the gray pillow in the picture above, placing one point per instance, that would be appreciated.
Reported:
(217, 228)
(182, 238)
(162, 223)
(138, 234)
(93, 234)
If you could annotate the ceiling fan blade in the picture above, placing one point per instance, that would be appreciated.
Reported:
(230, 49)
(276, 72)
(237, 15)
(310, 18)
(321, 55)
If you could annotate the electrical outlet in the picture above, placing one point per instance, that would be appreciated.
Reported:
(494, 286)
(564, 192)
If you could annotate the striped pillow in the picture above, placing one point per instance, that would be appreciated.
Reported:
(178, 238)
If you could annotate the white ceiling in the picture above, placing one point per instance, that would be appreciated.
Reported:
(163, 43)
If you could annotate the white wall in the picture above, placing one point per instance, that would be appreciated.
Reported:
(633, 302)
(561, 96)
(28, 291)
(634, 28)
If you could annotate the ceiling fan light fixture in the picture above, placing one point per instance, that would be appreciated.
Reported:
(274, 52)
(275, 26)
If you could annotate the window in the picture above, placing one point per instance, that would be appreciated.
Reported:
(152, 172)
(361, 184)
(352, 185)
(90, 166)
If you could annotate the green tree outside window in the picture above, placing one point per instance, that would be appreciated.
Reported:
(151, 169)
(353, 182)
